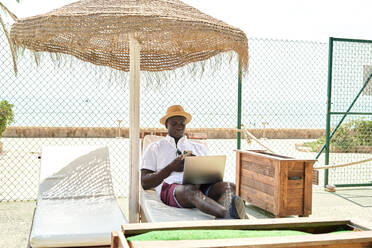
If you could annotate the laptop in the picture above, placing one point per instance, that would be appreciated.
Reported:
(203, 169)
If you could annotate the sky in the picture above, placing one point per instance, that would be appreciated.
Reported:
(313, 20)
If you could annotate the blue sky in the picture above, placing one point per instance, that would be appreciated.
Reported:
(313, 20)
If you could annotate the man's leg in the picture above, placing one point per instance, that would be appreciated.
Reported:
(189, 196)
(224, 194)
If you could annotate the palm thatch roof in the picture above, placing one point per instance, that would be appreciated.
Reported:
(171, 34)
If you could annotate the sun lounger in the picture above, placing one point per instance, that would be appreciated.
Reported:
(154, 210)
(76, 205)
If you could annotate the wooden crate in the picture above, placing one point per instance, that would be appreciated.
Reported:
(321, 231)
(278, 184)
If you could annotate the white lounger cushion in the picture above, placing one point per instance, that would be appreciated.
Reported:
(156, 211)
(76, 204)
(61, 223)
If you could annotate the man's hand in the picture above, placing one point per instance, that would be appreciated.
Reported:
(177, 164)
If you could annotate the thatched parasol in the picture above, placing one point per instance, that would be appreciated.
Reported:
(171, 34)
(131, 35)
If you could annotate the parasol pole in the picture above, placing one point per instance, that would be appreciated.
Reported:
(134, 129)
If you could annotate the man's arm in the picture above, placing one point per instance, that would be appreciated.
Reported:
(151, 179)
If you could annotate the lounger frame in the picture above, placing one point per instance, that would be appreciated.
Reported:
(361, 237)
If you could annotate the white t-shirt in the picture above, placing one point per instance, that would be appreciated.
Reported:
(161, 153)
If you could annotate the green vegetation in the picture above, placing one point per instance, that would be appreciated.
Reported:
(348, 136)
(6, 115)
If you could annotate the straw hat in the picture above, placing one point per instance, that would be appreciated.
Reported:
(175, 110)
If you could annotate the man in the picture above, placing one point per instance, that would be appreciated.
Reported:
(162, 168)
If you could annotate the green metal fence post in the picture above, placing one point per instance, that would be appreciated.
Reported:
(239, 106)
(329, 103)
(346, 113)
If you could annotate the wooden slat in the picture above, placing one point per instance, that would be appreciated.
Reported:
(122, 241)
(257, 198)
(294, 207)
(277, 189)
(308, 189)
(259, 177)
(293, 194)
(118, 240)
(296, 184)
(257, 158)
(267, 206)
(238, 173)
(114, 239)
(271, 156)
(296, 165)
(267, 155)
(294, 202)
(295, 169)
(259, 168)
(283, 175)
(295, 199)
(255, 181)
(261, 196)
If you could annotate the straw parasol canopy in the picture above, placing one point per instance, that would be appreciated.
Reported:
(171, 34)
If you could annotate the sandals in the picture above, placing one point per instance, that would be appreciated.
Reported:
(237, 208)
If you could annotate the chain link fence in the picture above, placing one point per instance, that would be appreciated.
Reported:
(351, 112)
(285, 87)
(64, 101)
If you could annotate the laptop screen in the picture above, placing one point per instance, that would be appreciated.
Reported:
(203, 169)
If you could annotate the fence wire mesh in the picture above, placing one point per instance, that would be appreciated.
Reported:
(352, 141)
(285, 86)
(70, 102)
